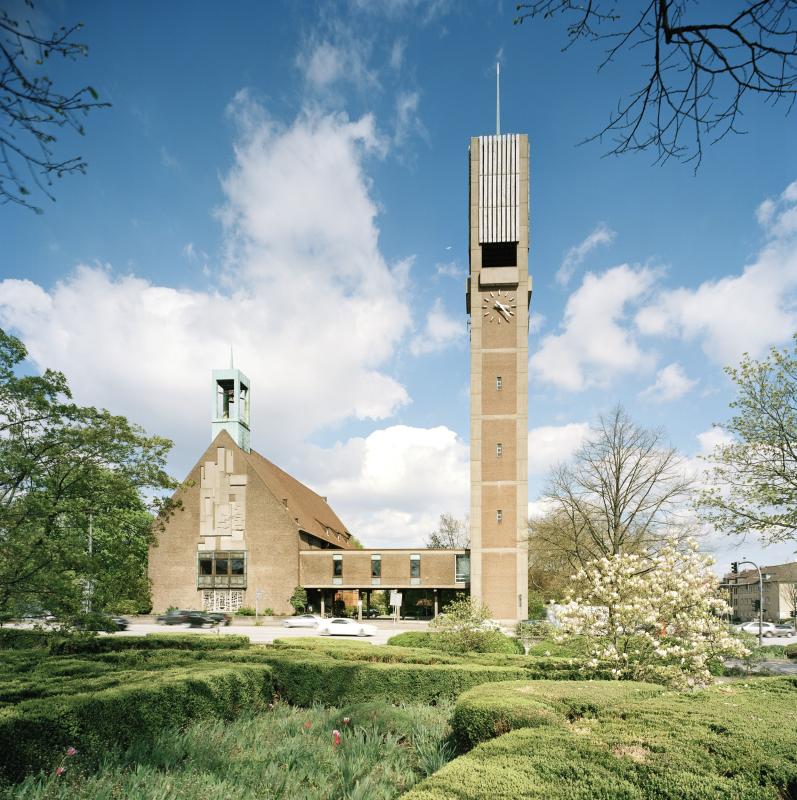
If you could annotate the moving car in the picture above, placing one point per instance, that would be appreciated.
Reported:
(199, 619)
(173, 617)
(767, 628)
(303, 621)
(219, 616)
(338, 626)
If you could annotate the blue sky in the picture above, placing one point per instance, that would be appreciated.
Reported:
(290, 179)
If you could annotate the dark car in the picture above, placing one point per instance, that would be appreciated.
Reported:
(220, 617)
(198, 619)
(173, 617)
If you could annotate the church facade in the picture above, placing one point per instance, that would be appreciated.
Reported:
(247, 533)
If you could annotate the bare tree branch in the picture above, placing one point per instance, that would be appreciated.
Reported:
(697, 72)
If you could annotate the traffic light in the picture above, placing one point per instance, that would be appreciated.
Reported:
(734, 567)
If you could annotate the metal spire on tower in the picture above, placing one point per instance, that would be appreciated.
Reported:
(498, 98)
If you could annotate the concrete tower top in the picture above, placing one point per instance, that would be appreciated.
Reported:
(230, 409)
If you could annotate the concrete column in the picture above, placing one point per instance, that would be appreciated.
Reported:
(322, 602)
(435, 602)
(359, 606)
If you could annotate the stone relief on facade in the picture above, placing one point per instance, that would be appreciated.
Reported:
(222, 509)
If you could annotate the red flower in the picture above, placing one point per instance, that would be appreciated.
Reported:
(71, 751)
(307, 725)
(346, 720)
(335, 738)
(60, 771)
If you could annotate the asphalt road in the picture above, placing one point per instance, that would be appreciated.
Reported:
(265, 634)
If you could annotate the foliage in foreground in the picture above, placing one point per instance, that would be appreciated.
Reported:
(285, 752)
(74, 521)
(733, 741)
(482, 642)
(659, 615)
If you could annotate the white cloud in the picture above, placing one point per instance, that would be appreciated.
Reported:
(336, 57)
(313, 311)
(709, 440)
(594, 344)
(440, 331)
(671, 383)
(397, 53)
(573, 258)
(391, 486)
(551, 444)
(741, 313)
(168, 160)
(449, 269)
(408, 121)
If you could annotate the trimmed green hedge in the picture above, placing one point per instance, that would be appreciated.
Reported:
(732, 741)
(489, 711)
(26, 638)
(491, 642)
(41, 729)
(790, 650)
(154, 641)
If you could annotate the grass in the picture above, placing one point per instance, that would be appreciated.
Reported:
(284, 753)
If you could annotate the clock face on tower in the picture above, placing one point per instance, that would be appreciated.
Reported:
(499, 307)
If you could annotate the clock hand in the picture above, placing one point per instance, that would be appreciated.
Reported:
(505, 311)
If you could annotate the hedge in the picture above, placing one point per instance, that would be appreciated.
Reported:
(154, 641)
(491, 642)
(40, 730)
(486, 712)
(790, 650)
(732, 741)
(26, 638)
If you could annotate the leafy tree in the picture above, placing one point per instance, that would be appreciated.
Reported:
(451, 533)
(753, 481)
(696, 72)
(68, 475)
(623, 492)
(464, 626)
(664, 620)
(299, 599)
(32, 110)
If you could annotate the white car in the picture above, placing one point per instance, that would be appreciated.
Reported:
(345, 627)
(767, 628)
(303, 621)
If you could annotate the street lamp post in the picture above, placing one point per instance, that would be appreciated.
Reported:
(760, 601)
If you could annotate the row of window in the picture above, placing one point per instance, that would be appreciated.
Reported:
(221, 569)
(462, 567)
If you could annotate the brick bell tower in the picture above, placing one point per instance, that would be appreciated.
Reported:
(498, 295)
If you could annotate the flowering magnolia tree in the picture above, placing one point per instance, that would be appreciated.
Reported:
(657, 617)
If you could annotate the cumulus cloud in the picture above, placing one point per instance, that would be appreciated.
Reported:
(408, 121)
(440, 331)
(671, 383)
(746, 312)
(391, 486)
(336, 57)
(551, 444)
(307, 299)
(600, 235)
(595, 342)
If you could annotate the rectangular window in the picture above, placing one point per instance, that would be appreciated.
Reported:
(237, 566)
(499, 516)
(415, 566)
(337, 566)
(376, 566)
(499, 450)
(206, 565)
(222, 564)
(462, 572)
(221, 570)
(499, 254)
(499, 383)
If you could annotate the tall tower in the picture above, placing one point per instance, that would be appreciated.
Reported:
(231, 405)
(498, 297)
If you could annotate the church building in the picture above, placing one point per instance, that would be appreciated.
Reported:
(247, 533)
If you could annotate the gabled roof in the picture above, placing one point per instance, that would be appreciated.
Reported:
(311, 510)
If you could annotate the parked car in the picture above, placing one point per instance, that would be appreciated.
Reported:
(173, 617)
(303, 621)
(338, 626)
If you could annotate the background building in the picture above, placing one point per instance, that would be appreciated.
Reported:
(780, 592)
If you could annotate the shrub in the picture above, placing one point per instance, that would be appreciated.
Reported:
(246, 611)
(136, 712)
(477, 641)
(486, 712)
(155, 641)
(23, 639)
(790, 651)
(726, 741)
(298, 599)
